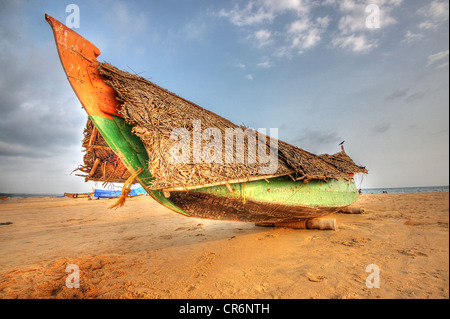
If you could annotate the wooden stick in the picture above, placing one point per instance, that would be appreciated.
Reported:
(312, 223)
(100, 147)
(93, 136)
(94, 167)
(229, 187)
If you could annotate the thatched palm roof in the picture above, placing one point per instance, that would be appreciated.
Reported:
(154, 113)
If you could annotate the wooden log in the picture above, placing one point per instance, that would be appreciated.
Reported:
(312, 223)
(299, 224)
(321, 223)
(351, 210)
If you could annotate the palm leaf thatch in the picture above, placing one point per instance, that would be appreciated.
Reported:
(154, 113)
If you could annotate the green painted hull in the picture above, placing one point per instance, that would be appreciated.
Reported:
(284, 190)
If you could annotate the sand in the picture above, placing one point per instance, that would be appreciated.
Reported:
(144, 250)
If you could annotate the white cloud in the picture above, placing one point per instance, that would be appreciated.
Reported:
(263, 37)
(261, 11)
(265, 64)
(442, 66)
(353, 32)
(436, 13)
(303, 34)
(357, 44)
(300, 6)
(323, 21)
(251, 14)
(411, 37)
(355, 14)
(301, 24)
(437, 56)
(249, 76)
(306, 40)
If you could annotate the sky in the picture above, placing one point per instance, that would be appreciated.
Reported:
(373, 73)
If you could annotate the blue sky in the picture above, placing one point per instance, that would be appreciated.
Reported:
(312, 69)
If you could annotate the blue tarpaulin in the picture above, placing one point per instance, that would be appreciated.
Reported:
(103, 193)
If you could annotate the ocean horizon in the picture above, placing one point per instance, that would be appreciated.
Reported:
(417, 189)
(378, 190)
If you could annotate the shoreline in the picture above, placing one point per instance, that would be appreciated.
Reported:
(144, 250)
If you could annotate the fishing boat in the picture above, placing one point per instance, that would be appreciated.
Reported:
(105, 193)
(137, 121)
(78, 195)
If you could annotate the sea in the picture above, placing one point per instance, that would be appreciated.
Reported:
(425, 189)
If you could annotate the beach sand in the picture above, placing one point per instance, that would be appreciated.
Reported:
(144, 250)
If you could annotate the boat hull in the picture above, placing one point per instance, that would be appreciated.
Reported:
(102, 193)
(275, 200)
(78, 195)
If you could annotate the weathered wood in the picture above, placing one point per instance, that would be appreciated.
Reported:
(93, 136)
(321, 223)
(351, 210)
(210, 206)
(94, 167)
(299, 224)
(311, 223)
(99, 147)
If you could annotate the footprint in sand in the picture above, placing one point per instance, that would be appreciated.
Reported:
(354, 242)
(412, 253)
(203, 263)
(315, 278)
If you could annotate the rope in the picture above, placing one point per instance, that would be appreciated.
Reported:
(126, 189)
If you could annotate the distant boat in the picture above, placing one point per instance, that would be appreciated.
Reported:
(135, 118)
(78, 195)
(104, 193)
(3, 197)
